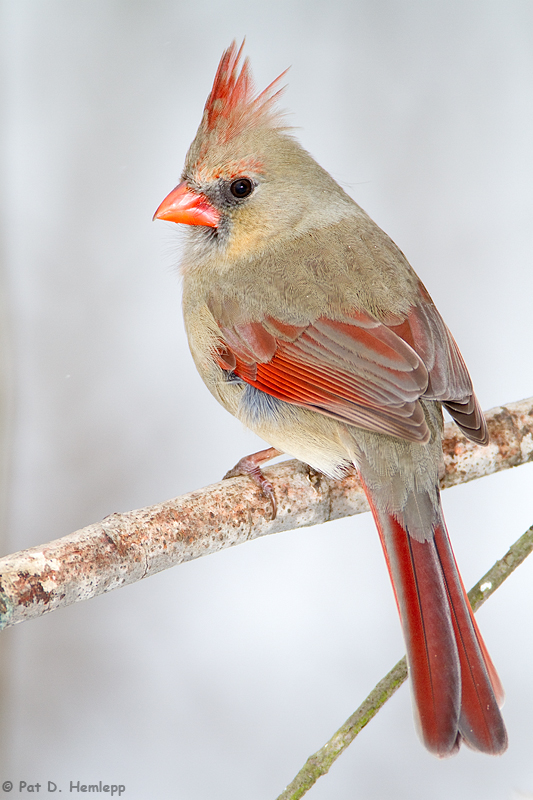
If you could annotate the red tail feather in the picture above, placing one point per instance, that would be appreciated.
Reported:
(454, 683)
(481, 725)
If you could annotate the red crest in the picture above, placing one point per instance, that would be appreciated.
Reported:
(232, 106)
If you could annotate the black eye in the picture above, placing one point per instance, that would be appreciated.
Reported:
(242, 187)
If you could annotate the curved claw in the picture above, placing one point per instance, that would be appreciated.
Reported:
(249, 466)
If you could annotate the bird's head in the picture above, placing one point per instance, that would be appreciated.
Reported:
(247, 182)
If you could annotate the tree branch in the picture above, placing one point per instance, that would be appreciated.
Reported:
(320, 762)
(125, 548)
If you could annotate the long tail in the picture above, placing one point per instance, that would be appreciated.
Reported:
(455, 687)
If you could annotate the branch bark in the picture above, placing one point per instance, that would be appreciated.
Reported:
(125, 548)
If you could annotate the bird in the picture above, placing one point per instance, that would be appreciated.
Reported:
(308, 324)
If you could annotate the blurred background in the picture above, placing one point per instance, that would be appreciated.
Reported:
(218, 678)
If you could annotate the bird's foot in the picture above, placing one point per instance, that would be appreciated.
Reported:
(250, 466)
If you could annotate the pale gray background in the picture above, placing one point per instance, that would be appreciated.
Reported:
(218, 678)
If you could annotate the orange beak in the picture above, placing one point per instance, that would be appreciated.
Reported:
(185, 206)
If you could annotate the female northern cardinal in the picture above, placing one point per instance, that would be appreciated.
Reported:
(308, 324)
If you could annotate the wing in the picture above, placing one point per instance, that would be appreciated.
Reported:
(355, 369)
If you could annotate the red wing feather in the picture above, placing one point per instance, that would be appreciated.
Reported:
(356, 369)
